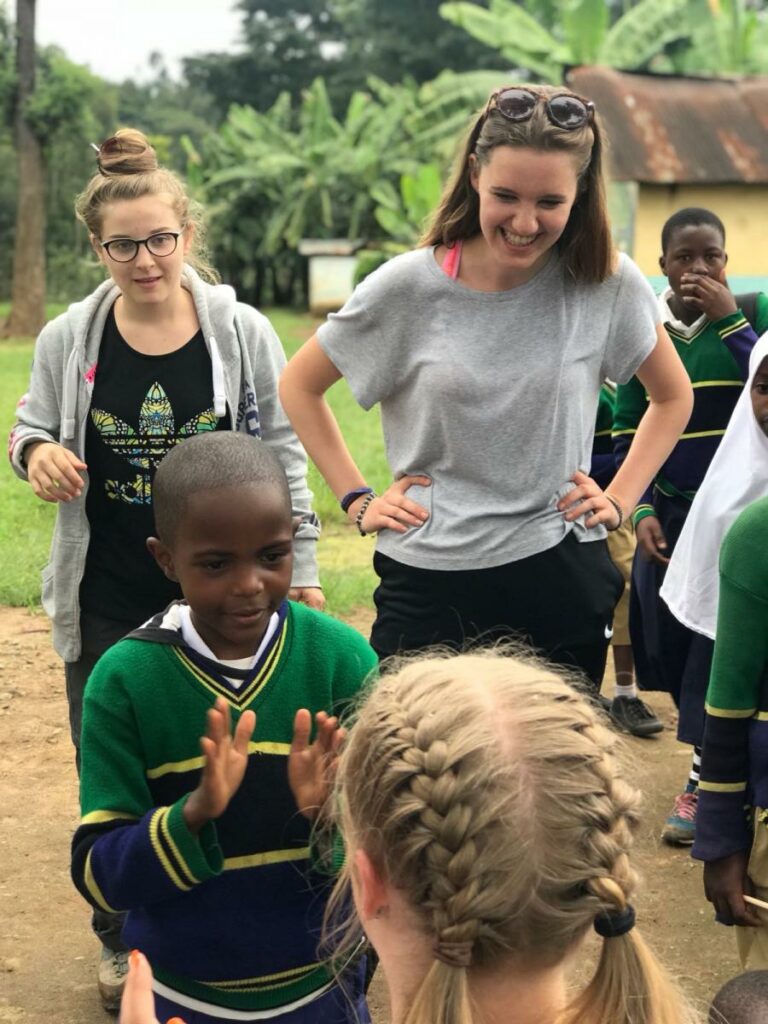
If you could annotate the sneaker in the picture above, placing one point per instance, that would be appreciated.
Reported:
(680, 826)
(631, 714)
(113, 967)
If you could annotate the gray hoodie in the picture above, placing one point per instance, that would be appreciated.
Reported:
(246, 360)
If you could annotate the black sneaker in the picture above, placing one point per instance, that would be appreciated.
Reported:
(632, 715)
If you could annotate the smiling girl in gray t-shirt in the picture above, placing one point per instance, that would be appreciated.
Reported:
(486, 349)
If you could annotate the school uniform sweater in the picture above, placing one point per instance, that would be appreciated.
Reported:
(715, 355)
(734, 769)
(603, 467)
(233, 915)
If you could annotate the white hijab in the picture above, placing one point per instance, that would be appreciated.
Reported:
(737, 476)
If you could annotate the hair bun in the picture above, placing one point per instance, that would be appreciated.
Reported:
(126, 152)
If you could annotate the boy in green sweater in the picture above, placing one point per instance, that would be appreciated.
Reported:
(210, 852)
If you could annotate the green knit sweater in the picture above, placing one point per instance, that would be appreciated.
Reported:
(231, 916)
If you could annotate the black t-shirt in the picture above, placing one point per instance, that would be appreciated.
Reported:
(142, 405)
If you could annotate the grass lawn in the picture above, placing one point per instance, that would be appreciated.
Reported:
(345, 559)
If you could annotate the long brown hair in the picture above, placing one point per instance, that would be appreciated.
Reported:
(129, 169)
(585, 246)
(488, 792)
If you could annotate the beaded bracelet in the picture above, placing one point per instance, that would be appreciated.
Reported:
(361, 512)
(619, 512)
(352, 496)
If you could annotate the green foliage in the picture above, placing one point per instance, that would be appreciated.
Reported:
(290, 44)
(70, 108)
(642, 33)
(25, 521)
(582, 33)
(728, 37)
(274, 178)
(515, 33)
(167, 110)
(296, 171)
(403, 215)
(62, 92)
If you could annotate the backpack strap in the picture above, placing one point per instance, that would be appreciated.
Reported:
(747, 303)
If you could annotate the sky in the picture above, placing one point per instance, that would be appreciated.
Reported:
(115, 37)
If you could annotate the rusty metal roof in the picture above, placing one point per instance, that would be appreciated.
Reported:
(663, 129)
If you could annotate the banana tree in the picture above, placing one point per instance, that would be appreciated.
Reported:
(729, 37)
(581, 33)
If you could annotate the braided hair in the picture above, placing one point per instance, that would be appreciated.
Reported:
(487, 790)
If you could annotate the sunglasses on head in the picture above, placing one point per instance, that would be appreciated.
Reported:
(564, 109)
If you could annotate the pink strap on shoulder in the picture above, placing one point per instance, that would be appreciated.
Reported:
(452, 260)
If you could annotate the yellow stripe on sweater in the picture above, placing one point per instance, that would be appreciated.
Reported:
(191, 763)
(99, 817)
(722, 787)
(293, 973)
(182, 864)
(258, 860)
(93, 887)
(729, 712)
(154, 825)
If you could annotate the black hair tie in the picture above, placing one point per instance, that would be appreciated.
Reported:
(610, 924)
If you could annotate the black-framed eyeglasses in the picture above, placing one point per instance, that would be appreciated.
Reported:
(123, 250)
(564, 109)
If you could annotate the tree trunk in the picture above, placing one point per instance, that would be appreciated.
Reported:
(27, 314)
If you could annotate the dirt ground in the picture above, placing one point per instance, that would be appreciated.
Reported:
(47, 953)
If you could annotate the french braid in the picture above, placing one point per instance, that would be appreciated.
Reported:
(487, 790)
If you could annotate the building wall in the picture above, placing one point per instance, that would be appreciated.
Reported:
(742, 208)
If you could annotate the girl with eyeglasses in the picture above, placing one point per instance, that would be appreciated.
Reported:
(486, 348)
(157, 353)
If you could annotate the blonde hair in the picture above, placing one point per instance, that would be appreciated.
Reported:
(585, 246)
(128, 169)
(487, 791)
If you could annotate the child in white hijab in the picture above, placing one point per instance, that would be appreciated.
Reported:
(737, 476)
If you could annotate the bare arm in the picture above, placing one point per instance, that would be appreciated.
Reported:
(303, 384)
(671, 402)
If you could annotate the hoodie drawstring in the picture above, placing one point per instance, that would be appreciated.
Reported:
(217, 371)
(69, 396)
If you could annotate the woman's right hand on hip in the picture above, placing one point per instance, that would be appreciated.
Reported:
(55, 473)
(392, 510)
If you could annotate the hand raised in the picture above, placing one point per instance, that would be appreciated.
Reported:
(311, 766)
(587, 496)
(225, 760)
(711, 296)
(392, 510)
(54, 471)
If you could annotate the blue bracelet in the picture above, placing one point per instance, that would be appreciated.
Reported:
(351, 496)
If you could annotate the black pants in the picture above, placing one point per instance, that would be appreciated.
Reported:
(98, 634)
(559, 602)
